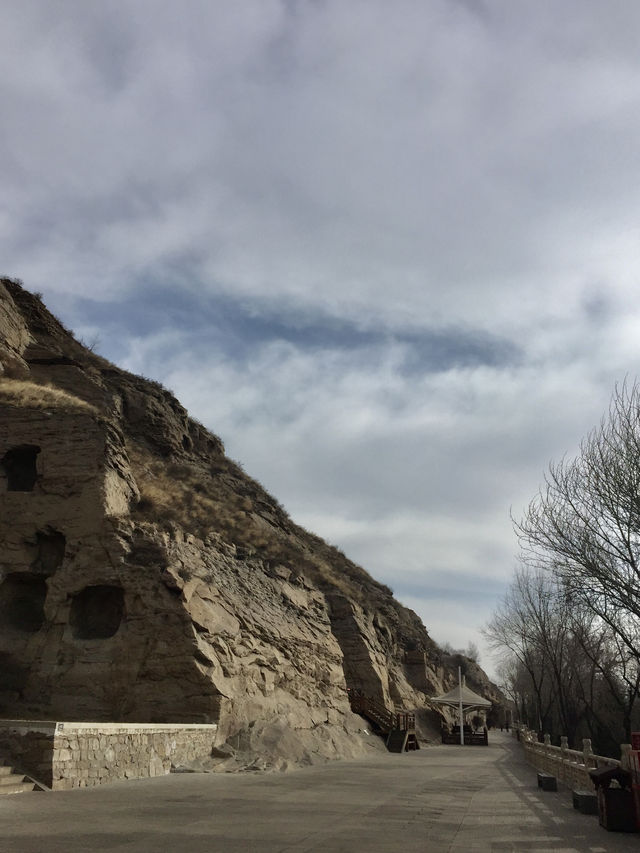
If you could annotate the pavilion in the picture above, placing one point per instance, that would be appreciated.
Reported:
(465, 700)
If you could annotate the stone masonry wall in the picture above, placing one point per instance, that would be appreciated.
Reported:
(79, 755)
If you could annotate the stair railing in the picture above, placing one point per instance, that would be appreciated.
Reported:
(377, 713)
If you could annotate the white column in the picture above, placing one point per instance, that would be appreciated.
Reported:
(461, 720)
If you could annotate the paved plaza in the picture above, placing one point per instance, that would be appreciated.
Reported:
(442, 798)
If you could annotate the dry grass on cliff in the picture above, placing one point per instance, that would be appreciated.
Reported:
(219, 498)
(30, 395)
(188, 495)
(204, 500)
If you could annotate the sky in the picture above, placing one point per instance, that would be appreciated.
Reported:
(388, 252)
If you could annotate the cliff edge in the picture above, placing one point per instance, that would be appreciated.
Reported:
(145, 577)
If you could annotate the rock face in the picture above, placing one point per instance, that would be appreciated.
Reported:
(145, 577)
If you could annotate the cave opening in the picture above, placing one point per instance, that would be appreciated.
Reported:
(22, 598)
(50, 551)
(96, 612)
(19, 464)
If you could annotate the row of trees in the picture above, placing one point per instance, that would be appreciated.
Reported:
(569, 626)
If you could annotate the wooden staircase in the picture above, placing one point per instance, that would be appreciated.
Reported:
(399, 728)
(13, 783)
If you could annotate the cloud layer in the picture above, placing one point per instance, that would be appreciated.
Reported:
(389, 252)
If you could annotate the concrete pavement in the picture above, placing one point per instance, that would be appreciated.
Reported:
(442, 798)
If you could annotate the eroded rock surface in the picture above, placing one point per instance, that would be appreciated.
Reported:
(145, 577)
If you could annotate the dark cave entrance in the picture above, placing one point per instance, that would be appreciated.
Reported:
(96, 612)
(51, 546)
(19, 464)
(22, 598)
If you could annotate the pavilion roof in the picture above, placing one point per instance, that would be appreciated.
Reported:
(469, 698)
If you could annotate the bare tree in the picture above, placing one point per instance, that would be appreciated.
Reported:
(609, 679)
(571, 620)
(515, 626)
(472, 652)
(584, 525)
(565, 670)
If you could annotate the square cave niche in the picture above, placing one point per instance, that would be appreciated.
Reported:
(22, 597)
(96, 612)
(19, 466)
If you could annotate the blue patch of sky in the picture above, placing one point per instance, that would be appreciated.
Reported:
(237, 329)
(457, 588)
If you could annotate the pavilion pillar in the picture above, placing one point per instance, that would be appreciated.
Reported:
(461, 718)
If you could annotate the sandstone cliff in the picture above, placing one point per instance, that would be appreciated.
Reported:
(145, 576)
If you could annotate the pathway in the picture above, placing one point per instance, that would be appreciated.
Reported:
(442, 798)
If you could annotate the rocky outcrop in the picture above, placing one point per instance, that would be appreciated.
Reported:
(145, 577)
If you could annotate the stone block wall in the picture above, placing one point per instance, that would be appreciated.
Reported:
(78, 755)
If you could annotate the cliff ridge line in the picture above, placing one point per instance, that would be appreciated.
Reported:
(146, 577)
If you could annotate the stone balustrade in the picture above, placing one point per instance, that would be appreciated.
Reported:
(569, 766)
(65, 755)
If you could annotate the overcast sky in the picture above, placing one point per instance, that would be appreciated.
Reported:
(389, 252)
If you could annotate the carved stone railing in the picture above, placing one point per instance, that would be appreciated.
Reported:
(569, 766)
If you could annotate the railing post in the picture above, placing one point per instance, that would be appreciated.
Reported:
(625, 756)
(547, 753)
(564, 761)
(587, 752)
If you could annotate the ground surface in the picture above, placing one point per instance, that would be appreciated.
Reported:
(443, 798)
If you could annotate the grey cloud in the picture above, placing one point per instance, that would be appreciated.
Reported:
(391, 248)
(367, 164)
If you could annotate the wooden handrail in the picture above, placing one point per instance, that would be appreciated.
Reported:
(377, 713)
